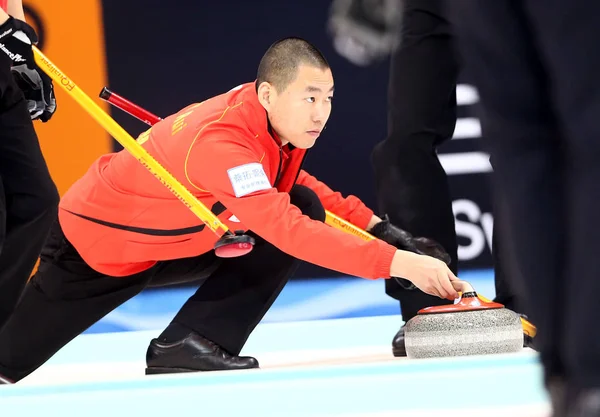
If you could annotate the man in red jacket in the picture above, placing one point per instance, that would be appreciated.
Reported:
(120, 230)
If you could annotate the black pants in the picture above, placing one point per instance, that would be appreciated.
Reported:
(28, 196)
(411, 185)
(506, 292)
(66, 296)
(536, 66)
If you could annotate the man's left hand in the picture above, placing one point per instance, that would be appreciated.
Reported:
(403, 240)
(38, 90)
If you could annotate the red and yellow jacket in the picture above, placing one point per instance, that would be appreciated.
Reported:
(122, 220)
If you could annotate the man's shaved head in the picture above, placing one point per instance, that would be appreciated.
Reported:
(279, 65)
(295, 87)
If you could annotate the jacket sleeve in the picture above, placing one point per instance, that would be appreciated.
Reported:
(269, 214)
(351, 208)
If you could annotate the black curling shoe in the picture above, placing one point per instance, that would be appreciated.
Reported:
(4, 380)
(193, 353)
(398, 345)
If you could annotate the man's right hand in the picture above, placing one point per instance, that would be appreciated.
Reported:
(16, 41)
(429, 274)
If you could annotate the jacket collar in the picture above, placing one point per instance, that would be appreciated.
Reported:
(255, 115)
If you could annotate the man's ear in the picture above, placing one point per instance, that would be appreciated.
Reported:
(266, 95)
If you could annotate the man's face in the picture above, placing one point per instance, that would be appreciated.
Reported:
(299, 113)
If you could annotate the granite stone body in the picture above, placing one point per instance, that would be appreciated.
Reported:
(463, 333)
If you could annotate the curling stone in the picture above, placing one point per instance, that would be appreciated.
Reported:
(471, 326)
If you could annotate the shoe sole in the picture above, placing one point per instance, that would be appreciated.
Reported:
(399, 353)
(155, 370)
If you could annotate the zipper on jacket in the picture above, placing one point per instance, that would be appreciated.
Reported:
(279, 167)
(270, 130)
(300, 167)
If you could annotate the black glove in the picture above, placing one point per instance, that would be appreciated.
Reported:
(365, 31)
(16, 40)
(403, 240)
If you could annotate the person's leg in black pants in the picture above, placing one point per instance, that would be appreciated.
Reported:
(537, 67)
(66, 296)
(70, 297)
(505, 292)
(29, 200)
(233, 300)
(411, 185)
(567, 35)
(62, 299)
(524, 142)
